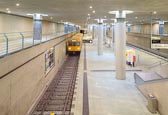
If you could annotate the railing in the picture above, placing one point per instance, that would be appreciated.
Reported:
(147, 34)
(139, 80)
(148, 50)
(12, 42)
(158, 63)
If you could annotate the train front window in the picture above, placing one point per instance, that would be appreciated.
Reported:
(74, 44)
(77, 44)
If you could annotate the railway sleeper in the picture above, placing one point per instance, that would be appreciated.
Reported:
(66, 77)
(63, 83)
(68, 71)
(58, 98)
(61, 89)
(56, 112)
(58, 107)
(54, 108)
(56, 102)
(67, 80)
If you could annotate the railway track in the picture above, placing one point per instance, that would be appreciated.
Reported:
(59, 95)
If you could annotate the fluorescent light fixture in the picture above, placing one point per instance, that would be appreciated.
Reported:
(44, 14)
(7, 8)
(124, 11)
(154, 12)
(128, 11)
(65, 22)
(113, 12)
(100, 20)
(37, 14)
(90, 7)
(29, 14)
(93, 11)
(120, 14)
(88, 14)
(9, 11)
(17, 4)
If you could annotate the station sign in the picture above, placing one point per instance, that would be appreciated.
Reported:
(155, 40)
(159, 46)
(156, 43)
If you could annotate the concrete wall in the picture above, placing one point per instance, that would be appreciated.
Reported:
(139, 39)
(48, 27)
(60, 27)
(145, 28)
(24, 76)
(11, 23)
(144, 41)
(159, 90)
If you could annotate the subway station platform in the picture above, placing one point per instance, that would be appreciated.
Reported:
(97, 90)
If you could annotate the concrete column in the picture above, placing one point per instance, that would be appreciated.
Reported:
(129, 27)
(69, 28)
(73, 28)
(100, 37)
(96, 32)
(161, 27)
(77, 28)
(120, 44)
(37, 29)
(112, 39)
(66, 28)
(93, 32)
(105, 40)
(113, 33)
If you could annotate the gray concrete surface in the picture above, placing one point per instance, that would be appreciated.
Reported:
(108, 96)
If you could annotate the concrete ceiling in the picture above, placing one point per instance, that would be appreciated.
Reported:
(76, 11)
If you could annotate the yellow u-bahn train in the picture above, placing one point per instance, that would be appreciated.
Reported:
(74, 44)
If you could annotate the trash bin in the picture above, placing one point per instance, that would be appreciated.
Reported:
(152, 104)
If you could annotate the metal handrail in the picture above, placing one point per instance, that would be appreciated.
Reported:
(22, 39)
(148, 34)
(156, 63)
(26, 40)
(7, 42)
